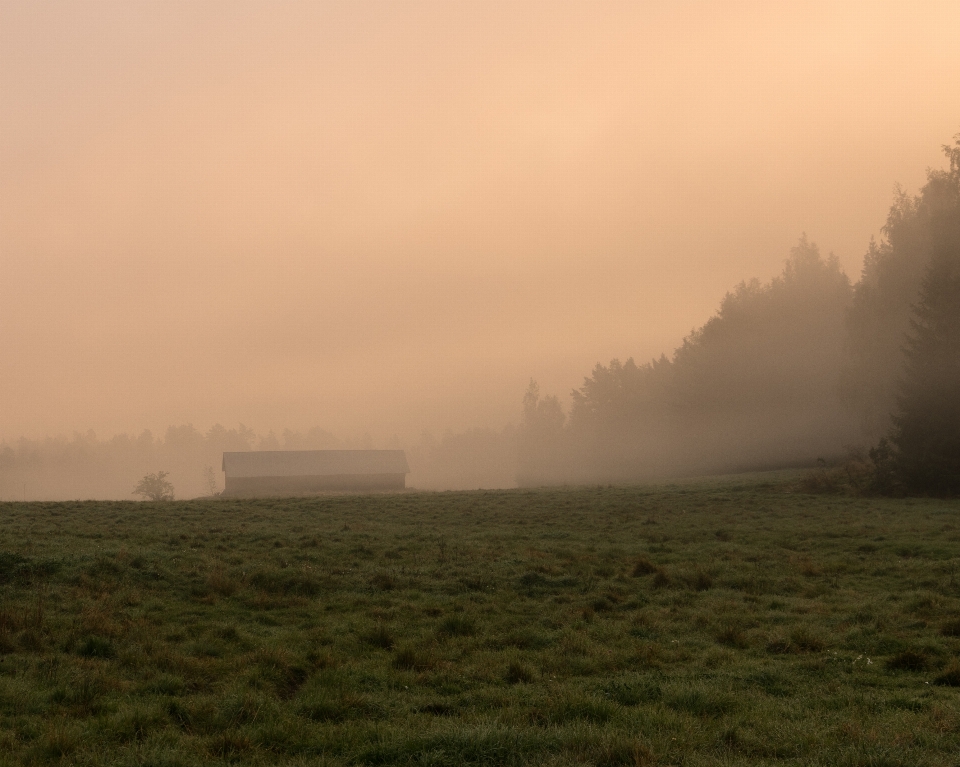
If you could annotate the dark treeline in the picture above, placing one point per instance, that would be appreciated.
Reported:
(806, 366)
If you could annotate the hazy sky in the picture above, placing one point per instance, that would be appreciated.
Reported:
(387, 217)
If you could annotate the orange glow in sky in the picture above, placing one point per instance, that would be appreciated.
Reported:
(386, 217)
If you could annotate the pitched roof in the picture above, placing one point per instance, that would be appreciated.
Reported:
(302, 463)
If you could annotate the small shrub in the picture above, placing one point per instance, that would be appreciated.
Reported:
(820, 480)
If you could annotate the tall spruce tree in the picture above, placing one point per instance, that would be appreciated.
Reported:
(918, 227)
(926, 431)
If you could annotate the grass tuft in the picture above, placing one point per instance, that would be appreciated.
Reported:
(908, 660)
(643, 566)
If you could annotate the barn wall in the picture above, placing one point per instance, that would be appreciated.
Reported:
(305, 485)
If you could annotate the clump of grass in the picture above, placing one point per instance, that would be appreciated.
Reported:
(524, 639)
(950, 676)
(96, 647)
(231, 745)
(438, 708)
(700, 581)
(585, 708)
(708, 704)
(284, 582)
(412, 658)
(643, 566)
(779, 646)
(220, 582)
(633, 692)
(339, 707)
(951, 628)
(908, 660)
(383, 581)
(518, 673)
(820, 480)
(662, 579)
(624, 752)
(457, 625)
(805, 640)
(379, 636)
(732, 636)
(60, 740)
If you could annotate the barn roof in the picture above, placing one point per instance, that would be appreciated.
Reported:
(302, 463)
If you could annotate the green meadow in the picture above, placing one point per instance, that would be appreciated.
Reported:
(720, 622)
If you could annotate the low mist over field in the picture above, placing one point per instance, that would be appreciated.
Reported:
(528, 242)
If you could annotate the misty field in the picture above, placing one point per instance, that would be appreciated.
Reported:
(733, 621)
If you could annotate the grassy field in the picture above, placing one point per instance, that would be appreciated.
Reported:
(719, 622)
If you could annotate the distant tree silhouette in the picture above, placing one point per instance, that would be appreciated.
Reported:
(917, 227)
(926, 430)
(155, 487)
(757, 384)
(540, 438)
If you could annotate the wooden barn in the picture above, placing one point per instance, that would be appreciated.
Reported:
(301, 472)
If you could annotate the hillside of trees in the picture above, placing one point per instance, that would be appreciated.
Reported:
(806, 366)
(757, 386)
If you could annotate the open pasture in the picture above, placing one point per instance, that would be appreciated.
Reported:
(727, 622)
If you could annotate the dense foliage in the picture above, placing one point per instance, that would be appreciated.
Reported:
(919, 230)
(804, 367)
(757, 385)
(927, 422)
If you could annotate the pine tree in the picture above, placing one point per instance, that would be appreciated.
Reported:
(926, 431)
(917, 229)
